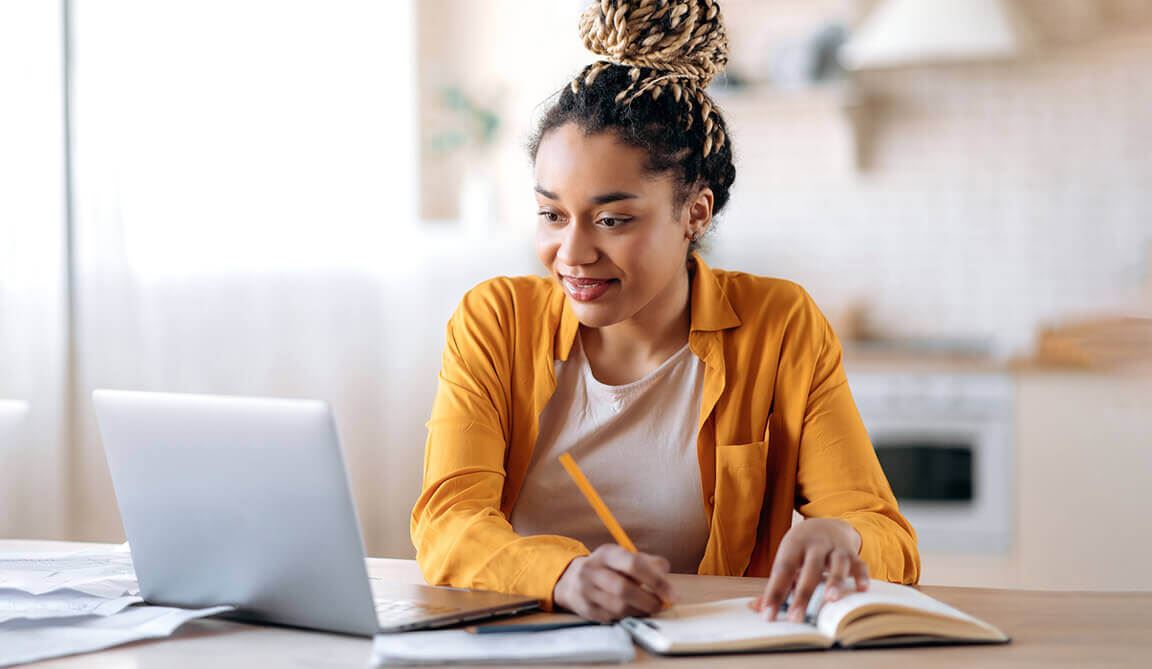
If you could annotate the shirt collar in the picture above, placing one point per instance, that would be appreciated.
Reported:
(711, 309)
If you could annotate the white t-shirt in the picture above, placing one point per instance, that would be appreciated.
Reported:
(636, 443)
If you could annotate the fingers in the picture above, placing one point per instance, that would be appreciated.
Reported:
(808, 549)
(838, 563)
(650, 571)
(594, 611)
(613, 583)
(859, 571)
(620, 594)
(845, 566)
(784, 570)
(814, 560)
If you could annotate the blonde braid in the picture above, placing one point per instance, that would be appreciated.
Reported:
(681, 43)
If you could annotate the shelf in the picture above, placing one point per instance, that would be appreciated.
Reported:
(765, 97)
(841, 105)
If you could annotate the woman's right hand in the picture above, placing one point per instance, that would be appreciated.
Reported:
(614, 583)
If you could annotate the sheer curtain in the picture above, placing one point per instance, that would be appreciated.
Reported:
(234, 213)
(33, 276)
(244, 199)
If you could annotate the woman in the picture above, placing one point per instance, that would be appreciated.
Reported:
(704, 405)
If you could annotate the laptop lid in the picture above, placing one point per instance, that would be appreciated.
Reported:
(240, 501)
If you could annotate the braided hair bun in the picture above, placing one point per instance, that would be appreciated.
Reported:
(674, 45)
(686, 38)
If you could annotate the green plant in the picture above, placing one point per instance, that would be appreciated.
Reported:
(474, 125)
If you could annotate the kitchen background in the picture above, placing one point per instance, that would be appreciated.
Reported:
(970, 203)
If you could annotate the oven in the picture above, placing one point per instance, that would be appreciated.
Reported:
(944, 440)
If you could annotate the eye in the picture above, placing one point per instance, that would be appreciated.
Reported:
(611, 222)
(549, 216)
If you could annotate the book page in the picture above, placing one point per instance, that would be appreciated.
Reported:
(721, 624)
(884, 595)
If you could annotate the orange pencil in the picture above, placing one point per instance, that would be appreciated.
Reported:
(598, 504)
(601, 508)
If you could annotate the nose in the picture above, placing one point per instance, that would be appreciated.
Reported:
(577, 245)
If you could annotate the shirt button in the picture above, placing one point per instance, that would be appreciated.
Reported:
(711, 500)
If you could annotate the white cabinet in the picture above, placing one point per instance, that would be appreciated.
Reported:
(1083, 489)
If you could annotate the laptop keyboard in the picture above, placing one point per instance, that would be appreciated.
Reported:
(399, 611)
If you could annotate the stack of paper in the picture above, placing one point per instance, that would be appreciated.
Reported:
(54, 604)
(16, 605)
(599, 644)
(107, 574)
(28, 641)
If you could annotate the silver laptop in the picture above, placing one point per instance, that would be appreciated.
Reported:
(245, 501)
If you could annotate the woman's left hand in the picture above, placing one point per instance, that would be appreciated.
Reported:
(808, 550)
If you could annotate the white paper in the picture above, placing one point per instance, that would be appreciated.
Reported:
(30, 640)
(101, 574)
(577, 644)
(17, 605)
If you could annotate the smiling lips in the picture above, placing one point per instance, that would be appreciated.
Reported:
(585, 289)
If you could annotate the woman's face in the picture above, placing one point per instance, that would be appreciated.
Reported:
(608, 230)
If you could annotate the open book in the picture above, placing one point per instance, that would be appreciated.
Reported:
(884, 615)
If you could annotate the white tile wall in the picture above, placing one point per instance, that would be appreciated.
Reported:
(995, 198)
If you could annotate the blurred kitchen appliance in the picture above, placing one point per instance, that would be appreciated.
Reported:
(917, 32)
(944, 440)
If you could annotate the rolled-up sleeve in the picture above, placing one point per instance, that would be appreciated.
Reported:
(839, 475)
(462, 537)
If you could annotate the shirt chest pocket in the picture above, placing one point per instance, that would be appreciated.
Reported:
(741, 475)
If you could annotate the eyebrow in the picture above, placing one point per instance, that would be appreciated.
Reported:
(614, 196)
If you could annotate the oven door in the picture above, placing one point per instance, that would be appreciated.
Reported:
(951, 478)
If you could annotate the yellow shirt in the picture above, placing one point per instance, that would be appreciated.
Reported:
(778, 430)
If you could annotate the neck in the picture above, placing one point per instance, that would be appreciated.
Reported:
(649, 337)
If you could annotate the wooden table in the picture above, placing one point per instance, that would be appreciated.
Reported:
(1049, 629)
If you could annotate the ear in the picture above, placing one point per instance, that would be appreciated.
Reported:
(698, 212)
